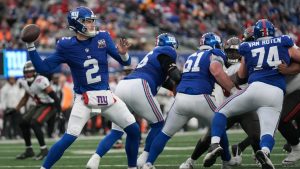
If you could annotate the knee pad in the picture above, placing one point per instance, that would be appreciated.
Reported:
(74, 130)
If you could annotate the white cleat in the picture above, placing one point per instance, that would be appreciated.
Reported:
(142, 159)
(188, 164)
(93, 162)
(291, 158)
(236, 155)
(148, 166)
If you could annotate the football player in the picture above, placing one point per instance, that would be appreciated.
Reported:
(47, 105)
(290, 112)
(157, 68)
(249, 122)
(265, 91)
(201, 71)
(87, 54)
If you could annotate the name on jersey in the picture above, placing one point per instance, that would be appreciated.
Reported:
(265, 42)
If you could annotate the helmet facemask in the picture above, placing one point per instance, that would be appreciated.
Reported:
(88, 30)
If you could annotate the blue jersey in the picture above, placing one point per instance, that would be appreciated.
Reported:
(150, 68)
(87, 60)
(196, 78)
(262, 58)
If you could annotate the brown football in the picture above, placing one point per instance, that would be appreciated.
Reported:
(30, 33)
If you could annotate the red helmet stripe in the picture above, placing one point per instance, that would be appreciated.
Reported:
(264, 27)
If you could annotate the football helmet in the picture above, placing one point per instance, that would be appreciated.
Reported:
(248, 34)
(78, 16)
(29, 72)
(210, 41)
(231, 49)
(167, 39)
(263, 28)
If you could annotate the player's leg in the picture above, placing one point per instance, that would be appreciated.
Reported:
(42, 114)
(119, 114)
(79, 116)
(145, 105)
(290, 109)
(174, 122)
(25, 129)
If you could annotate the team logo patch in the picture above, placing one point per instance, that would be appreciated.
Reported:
(74, 14)
(101, 43)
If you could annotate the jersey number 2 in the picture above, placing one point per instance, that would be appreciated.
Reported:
(90, 79)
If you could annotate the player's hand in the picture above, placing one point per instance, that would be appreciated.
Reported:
(283, 68)
(123, 46)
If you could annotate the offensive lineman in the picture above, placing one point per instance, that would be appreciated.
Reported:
(151, 73)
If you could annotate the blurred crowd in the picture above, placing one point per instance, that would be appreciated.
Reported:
(142, 20)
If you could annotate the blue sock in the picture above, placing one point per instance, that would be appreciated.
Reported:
(132, 143)
(219, 123)
(109, 140)
(155, 129)
(58, 149)
(225, 145)
(157, 146)
(267, 141)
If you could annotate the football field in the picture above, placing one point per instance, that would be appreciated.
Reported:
(177, 150)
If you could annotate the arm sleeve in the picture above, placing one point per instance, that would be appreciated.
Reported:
(113, 52)
(47, 65)
(169, 67)
(53, 95)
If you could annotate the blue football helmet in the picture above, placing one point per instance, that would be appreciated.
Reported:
(166, 39)
(210, 40)
(263, 28)
(76, 20)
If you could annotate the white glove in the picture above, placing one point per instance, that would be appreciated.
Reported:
(30, 46)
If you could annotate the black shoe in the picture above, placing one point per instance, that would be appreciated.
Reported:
(42, 154)
(287, 148)
(264, 160)
(214, 151)
(28, 153)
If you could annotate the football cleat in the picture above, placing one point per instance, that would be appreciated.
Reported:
(142, 159)
(188, 164)
(292, 157)
(264, 160)
(236, 154)
(214, 151)
(93, 162)
(42, 154)
(28, 153)
(287, 148)
(148, 166)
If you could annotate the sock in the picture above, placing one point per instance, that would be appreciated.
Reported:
(218, 125)
(25, 128)
(155, 129)
(38, 132)
(267, 141)
(225, 145)
(244, 144)
(108, 141)
(202, 146)
(157, 146)
(58, 149)
(132, 143)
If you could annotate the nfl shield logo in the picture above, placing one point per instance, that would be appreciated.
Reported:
(101, 43)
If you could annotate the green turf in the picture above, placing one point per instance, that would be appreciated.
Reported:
(177, 150)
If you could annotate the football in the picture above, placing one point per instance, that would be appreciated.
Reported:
(30, 33)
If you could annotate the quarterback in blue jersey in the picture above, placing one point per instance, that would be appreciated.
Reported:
(265, 92)
(86, 54)
(144, 81)
(201, 71)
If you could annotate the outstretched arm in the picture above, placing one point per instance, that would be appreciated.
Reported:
(43, 66)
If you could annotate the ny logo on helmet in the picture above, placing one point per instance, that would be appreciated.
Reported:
(74, 15)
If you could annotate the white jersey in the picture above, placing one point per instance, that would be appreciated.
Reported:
(36, 89)
(218, 91)
(292, 83)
